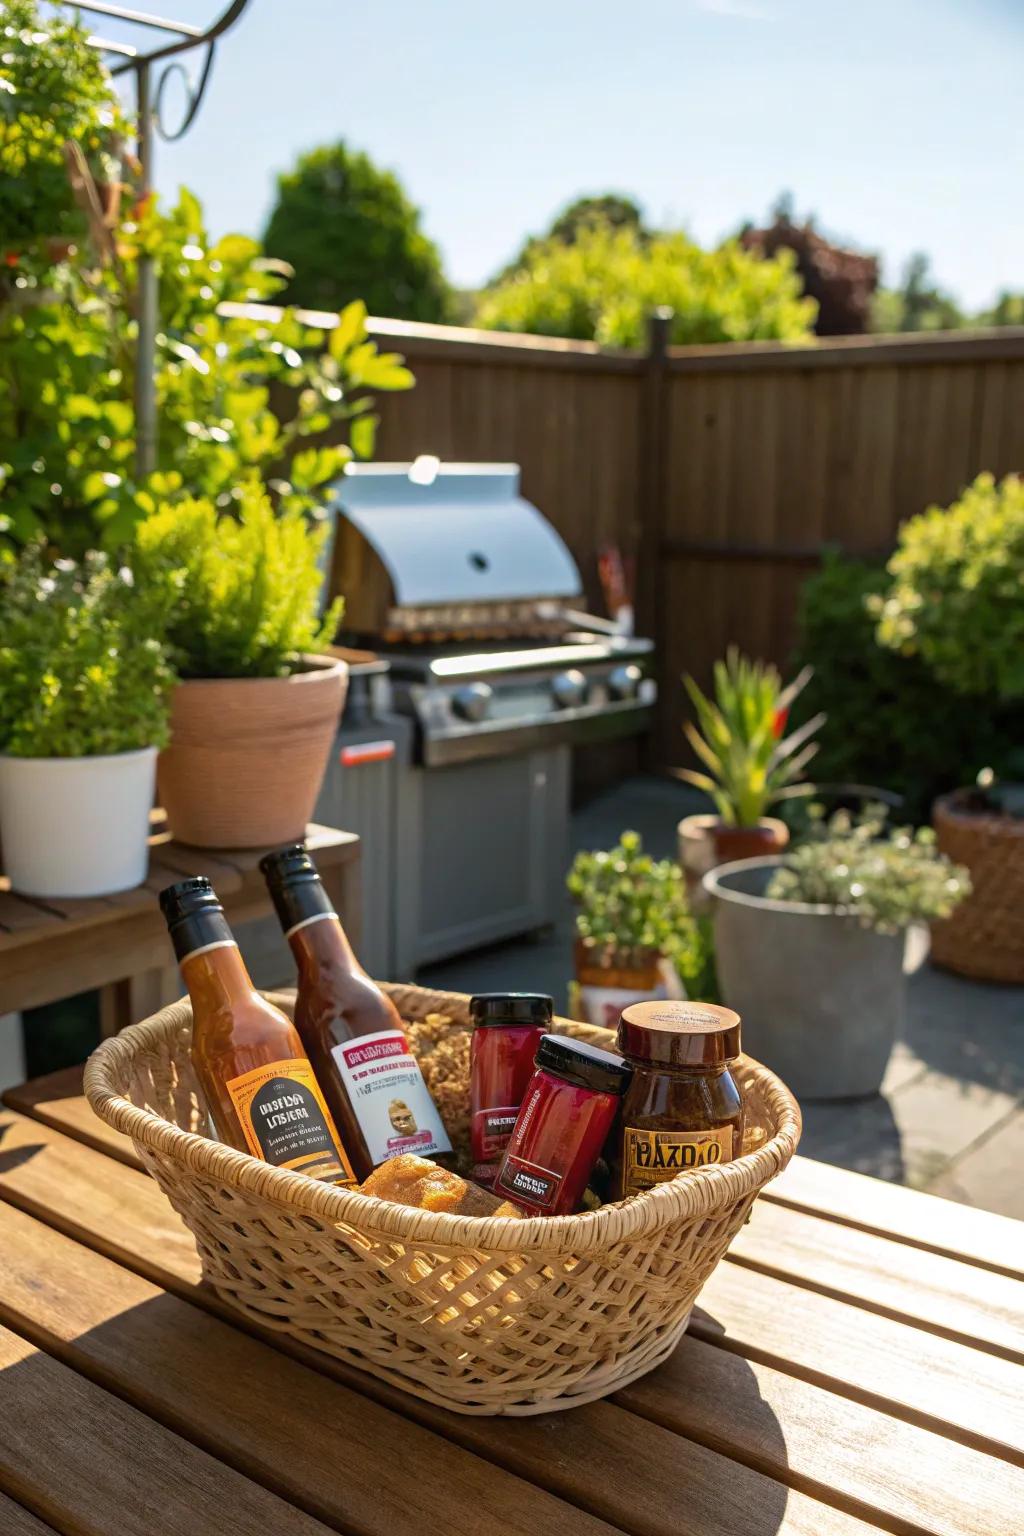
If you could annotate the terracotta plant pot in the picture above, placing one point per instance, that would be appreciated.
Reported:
(705, 842)
(247, 755)
(609, 982)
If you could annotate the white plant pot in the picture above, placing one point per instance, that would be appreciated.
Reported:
(76, 826)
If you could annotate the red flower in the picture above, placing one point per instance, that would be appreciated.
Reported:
(779, 723)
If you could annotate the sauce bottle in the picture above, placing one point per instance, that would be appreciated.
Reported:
(682, 1109)
(563, 1123)
(259, 1085)
(352, 1032)
(507, 1029)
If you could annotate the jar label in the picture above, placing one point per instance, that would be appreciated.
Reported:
(492, 1129)
(651, 1157)
(286, 1123)
(389, 1097)
(527, 1181)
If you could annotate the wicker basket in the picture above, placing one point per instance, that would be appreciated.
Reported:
(481, 1315)
(984, 938)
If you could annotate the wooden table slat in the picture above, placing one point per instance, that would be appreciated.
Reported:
(116, 1472)
(57, 1100)
(958, 1300)
(127, 1217)
(15, 1520)
(904, 1215)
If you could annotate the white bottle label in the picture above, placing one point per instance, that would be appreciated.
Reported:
(391, 1102)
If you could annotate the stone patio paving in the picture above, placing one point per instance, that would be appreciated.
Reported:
(950, 1118)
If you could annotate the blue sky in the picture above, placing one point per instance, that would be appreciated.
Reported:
(898, 122)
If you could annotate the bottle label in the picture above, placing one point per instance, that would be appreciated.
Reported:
(286, 1122)
(529, 1182)
(389, 1097)
(651, 1157)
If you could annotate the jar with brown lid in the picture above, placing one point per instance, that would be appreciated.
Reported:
(682, 1109)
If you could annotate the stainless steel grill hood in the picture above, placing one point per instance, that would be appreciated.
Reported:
(452, 541)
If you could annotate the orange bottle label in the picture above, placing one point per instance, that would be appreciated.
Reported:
(285, 1121)
(651, 1157)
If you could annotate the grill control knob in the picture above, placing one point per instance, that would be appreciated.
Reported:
(473, 701)
(623, 682)
(568, 689)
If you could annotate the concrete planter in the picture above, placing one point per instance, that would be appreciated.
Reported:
(822, 999)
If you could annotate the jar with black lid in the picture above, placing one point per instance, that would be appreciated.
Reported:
(682, 1110)
(507, 1029)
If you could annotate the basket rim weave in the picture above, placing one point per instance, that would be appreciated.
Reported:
(955, 812)
(700, 1193)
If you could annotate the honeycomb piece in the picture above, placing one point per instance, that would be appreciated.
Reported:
(412, 1180)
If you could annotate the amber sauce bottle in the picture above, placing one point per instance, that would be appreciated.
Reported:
(352, 1032)
(259, 1085)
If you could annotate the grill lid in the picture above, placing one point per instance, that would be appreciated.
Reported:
(456, 533)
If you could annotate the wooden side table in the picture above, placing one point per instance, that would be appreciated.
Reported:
(52, 948)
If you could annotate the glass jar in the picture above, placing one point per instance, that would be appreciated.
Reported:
(565, 1118)
(507, 1029)
(682, 1110)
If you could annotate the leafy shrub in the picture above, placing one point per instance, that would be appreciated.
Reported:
(885, 879)
(53, 88)
(957, 593)
(603, 286)
(890, 723)
(630, 903)
(83, 670)
(244, 590)
(740, 738)
(67, 420)
(348, 231)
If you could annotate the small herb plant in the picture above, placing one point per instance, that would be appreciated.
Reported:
(83, 670)
(244, 590)
(632, 907)
(740, 738)
(885, 878)
(957, 592)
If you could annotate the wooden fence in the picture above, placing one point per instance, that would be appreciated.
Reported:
(725, 472)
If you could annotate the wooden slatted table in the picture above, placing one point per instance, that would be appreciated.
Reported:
(51, 948)
(853, 1367)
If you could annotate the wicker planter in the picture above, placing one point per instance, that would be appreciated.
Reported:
(247, 755)
(984, 938)
(481, 1315)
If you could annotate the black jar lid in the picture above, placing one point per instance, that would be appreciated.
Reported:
(287, 865)
(585, 1065)
(679, 1034)
(511, 1008)
(188, 898)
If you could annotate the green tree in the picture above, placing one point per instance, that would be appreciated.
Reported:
(1007, 310)
(603, 286)
(349, 232)
(611, 208)
(917, 304)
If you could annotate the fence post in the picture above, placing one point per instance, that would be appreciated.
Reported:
(654, 430)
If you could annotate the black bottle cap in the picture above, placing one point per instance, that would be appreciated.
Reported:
(585, 1065)
(511, 1008)
(194, 916)
(186, 898)
(285, 865)
(295, 886)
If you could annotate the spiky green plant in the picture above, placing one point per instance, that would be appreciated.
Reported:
(738, 737)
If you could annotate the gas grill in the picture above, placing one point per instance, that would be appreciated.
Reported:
(473, 597)
(474, 601)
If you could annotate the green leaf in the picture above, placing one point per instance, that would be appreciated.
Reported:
(350, 329)
(363, 436)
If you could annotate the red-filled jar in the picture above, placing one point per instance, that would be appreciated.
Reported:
(568, 1110)
(507, 1029)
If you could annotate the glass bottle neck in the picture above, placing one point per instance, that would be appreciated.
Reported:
(320, 943)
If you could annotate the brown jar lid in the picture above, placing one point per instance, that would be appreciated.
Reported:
(680, 1034)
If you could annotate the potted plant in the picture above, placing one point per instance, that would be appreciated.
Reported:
(258, 704)
(635, 938)
(956, 603)
(84, 696)
(739, 738)
(812, 949)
